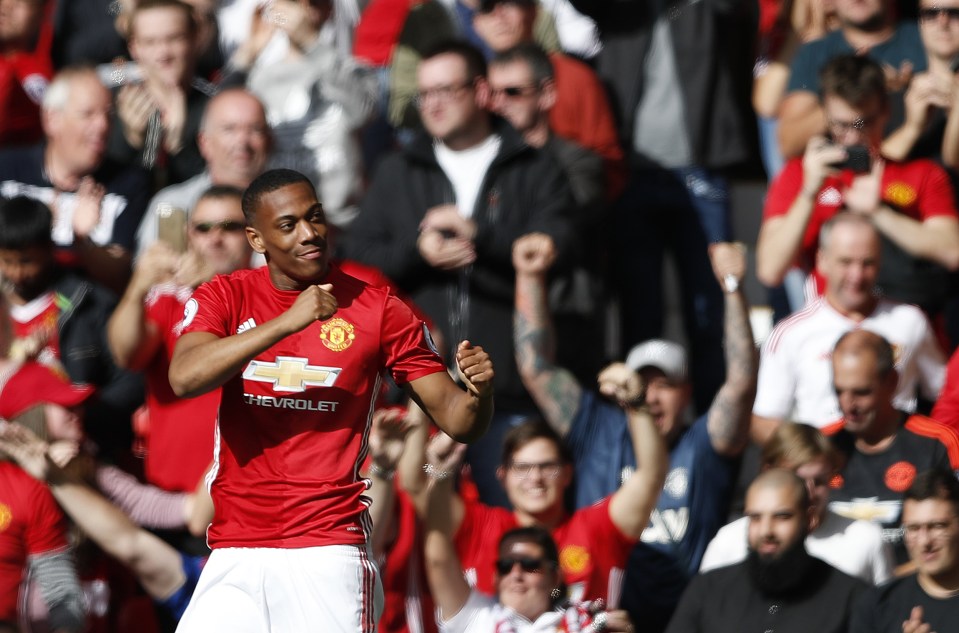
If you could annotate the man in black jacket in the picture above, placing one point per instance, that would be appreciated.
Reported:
(441, 217)
(779, 587)
(60, 318)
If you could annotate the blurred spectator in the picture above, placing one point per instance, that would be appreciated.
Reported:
(852, 546)
(89, 32)
(946, 409)
(679, 78)
(235, 141)
(910, 203)
(927, 600)
(159, 101)
(794, 376)
(316, 100)
(780, 586)
(578, 35)
(580, 111)
(146, 324)
(931, 126)
(884, 447)
(866, 27)
(440, 219)
(60, 317)
(26, 32)
(97, 202)
(34, 542)
(693, 504)
(594, 542)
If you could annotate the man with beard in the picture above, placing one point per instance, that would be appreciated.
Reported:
(929, 599)
(780, 586)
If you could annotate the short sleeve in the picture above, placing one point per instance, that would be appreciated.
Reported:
(936, 195)
(783, 190)
(208, 310)
(777, 381)
(47, 530)
(408, 348)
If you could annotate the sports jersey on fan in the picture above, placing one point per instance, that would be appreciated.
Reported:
(795, 368)
(30, 524)
(592, 550)
(293, 423)
(180, 439)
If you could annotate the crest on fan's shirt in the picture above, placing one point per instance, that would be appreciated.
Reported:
(289, 373)
(6, 515)
(337, 334)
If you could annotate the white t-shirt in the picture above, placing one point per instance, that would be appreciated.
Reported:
(853, 547)
(467, 169)
(483, 614)
(795, 369)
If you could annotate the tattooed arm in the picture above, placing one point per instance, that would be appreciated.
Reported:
(730, 413)
(554, 389)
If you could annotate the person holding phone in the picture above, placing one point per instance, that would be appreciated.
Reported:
(910, 203)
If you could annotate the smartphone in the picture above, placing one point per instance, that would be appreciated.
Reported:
(171, 226)
(857, 159)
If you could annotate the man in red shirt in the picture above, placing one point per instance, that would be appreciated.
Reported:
(910, 203)
(26, 34)
(298, 347)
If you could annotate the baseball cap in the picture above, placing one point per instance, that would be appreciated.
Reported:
(488, 5)
(34, 384)
(666, 356)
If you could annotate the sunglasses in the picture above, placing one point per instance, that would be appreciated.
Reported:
(530, 565)
(515, 91)
(930, 14)
(230, 226)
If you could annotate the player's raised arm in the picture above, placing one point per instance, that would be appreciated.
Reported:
(463, 414)
(203, 361)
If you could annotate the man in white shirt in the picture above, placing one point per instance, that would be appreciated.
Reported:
(795, 371)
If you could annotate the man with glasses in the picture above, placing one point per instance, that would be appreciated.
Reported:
(146, 324)
(929, 599)
(441, 217)
(910, 203)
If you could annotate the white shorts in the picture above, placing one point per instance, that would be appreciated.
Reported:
(265, 590)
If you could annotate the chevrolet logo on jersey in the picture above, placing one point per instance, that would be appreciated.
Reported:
(291, 374)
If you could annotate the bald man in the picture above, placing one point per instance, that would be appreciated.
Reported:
(884, 446)
(779, 586)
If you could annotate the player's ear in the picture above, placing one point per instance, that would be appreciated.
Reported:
(255, 240)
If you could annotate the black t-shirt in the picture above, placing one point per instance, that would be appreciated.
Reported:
(870, 487)
(884, 609)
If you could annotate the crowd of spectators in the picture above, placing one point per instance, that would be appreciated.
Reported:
(517, 172)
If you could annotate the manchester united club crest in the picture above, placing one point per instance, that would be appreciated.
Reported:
(5, 517)
(337, 334)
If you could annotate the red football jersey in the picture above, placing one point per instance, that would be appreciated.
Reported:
(293, 424)
(180, 440)
(30, 523)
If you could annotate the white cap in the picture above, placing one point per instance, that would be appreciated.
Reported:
(666, 356)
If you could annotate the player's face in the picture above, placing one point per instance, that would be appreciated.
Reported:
(25, 271)
(79, 130)
(505, 26)
(235, 139)
(536, 477)
(522, 107)
(667, 400)
(850, 264)
(162, 43)
(775, 520)
(448, 98)
(290, 230)
(939, 28)
(817, 474)
(218, 232)
(931, 532)
(526, 592)
(860, 389)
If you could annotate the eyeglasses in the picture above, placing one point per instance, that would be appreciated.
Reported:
(530, 565)
(841, 127)
(522, 470)
(228, 226)
(515, 91)
(443, 94)
(938, 530)
(931, 14)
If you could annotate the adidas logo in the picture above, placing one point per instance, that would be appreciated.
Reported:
(246, 325)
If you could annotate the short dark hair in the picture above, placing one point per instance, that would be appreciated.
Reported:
(24, 223)
(471, 56)
(221, 192)
(146, 5)
(268, 182)
(535, 534)
(533, 55)
(938, 483)
(527, 431)
(856, 79)
(856, 341)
